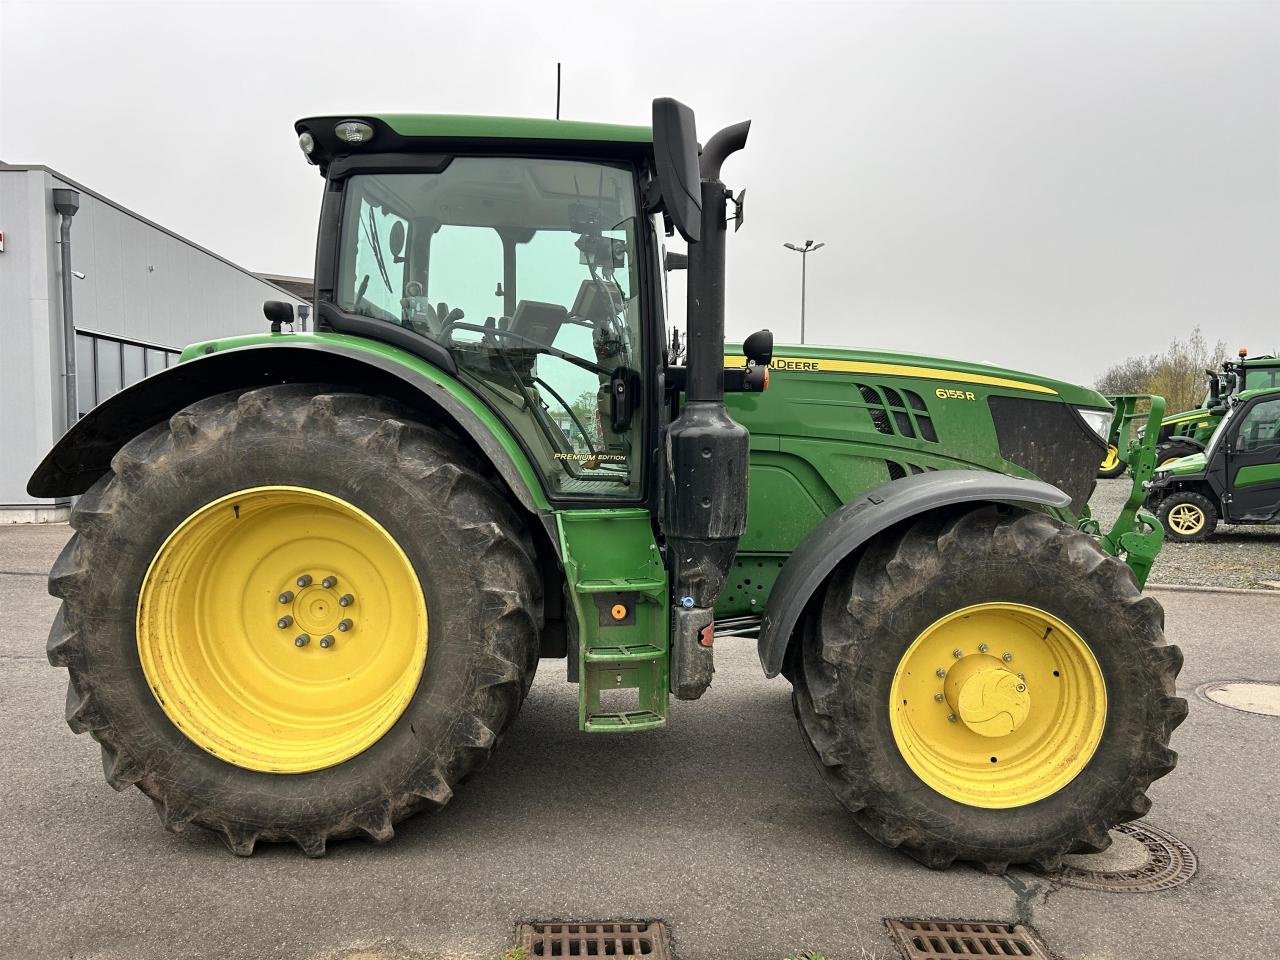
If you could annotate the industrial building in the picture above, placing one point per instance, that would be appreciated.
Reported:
(137, 293)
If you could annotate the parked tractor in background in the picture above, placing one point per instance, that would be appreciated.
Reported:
(1188, 431)
(1236, 477)
(313, 574)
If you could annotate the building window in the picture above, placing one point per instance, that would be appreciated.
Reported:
(105, 365)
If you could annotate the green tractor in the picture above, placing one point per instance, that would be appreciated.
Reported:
(1186, 433)
(312, 574)
(1235, 479)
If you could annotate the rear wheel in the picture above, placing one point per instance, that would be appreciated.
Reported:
(1187, 516)
(1112, 466)
(293, 614)
(990, 687)
(1175, 449)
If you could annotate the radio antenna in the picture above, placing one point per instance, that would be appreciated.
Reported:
(557, 89)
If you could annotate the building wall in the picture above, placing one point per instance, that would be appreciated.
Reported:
(144, 287)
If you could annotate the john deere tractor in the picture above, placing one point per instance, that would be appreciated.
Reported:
(312, 574)
(1188, 431)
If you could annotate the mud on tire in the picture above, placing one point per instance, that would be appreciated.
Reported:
(875, 607)
(464, 541)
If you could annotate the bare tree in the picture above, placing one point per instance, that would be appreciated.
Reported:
(1178, 374)
(677, 348)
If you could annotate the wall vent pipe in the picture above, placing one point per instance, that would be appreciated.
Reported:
(66, 202)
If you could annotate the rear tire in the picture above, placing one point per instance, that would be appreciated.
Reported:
(846, 669)
(1187, 516)
(1112, 465)
(1174, 449)
(464, 542)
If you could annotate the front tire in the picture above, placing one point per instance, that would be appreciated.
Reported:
(1112, 466)
(1086, 712)
(1175, 449)
(1187, 516)
(186, 599)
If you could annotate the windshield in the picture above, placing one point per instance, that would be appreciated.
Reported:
(525, 270)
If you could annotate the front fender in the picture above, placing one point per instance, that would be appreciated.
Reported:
(850, 526)
(84, 453)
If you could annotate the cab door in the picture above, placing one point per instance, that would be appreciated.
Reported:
(1253, 463)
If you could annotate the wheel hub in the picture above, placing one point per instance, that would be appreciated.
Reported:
(988, 698)
(238, 623)
(963, 713)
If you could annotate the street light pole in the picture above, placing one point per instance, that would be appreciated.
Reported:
(808, 248)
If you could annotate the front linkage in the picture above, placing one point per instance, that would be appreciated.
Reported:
(1135, 537)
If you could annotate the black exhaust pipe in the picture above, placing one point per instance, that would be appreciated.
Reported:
(705, 503)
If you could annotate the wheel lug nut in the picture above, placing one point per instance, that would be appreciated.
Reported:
(982, 648)
(301, 640)
(329, 582)
(344, 625)
(304, 580)
(1006, 657)
(957, 654)
(284, 623)
(940, 672)
(327, 641)
(346, 600)
(286, 597)
(951, 718)
(938, 697)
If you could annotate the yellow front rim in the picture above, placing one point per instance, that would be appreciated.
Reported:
(1168, 460)
(1186, 518)
(998, 705)
(282, 629)
(1111, 459)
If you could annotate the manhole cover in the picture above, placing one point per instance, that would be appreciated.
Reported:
(1168, 863)
(622, 939)
(964, 940)
(1248, 696)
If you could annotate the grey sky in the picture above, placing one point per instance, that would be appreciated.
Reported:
(1044, 185)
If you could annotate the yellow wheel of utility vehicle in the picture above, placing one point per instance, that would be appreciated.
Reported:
(985, 684)
(246, 608)
(282, 629)
(1187, 516)
(998, 705)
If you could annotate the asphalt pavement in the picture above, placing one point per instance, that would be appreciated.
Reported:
(717, 825)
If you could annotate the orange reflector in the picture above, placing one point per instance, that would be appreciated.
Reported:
(618, 612)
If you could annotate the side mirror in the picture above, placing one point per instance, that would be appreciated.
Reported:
(397, 242)
(758, 348)
(675, 261)
(278, 312)
(675, 151)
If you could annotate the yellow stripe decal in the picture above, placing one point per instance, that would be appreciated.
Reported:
(806, 365)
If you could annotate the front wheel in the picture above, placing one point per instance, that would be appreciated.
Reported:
(294, 614)
(988, 686)
(1187, 516)
(1175, 449)
(1112, 466)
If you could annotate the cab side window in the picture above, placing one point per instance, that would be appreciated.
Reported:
(1259, 427)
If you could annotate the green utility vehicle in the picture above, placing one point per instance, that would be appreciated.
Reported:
(1236, 479)
(313, 574)
(1185, 433)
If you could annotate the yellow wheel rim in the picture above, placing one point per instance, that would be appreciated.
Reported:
(1111, 459)
(998, 705)
(1168, 460)
(1186, 518)
(282, 629)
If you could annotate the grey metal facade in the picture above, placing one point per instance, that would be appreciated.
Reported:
(146, 293)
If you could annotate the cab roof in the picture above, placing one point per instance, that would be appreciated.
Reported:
(435, 133)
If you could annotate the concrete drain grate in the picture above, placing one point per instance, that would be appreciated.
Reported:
(1260, 697)
(964, 940)
(1169, 863)
(623, 940)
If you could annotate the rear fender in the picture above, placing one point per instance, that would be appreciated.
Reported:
(846, 529)
(84, 453)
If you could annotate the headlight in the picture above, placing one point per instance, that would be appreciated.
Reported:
(354, 131)
(1099, 421)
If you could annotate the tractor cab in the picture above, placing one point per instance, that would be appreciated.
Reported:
(1236, 479)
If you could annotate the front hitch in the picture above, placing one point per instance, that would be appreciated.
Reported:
(1134, 537)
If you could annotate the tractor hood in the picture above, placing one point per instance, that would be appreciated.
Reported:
(952, 372)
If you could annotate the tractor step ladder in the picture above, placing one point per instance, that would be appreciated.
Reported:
(618, 588)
